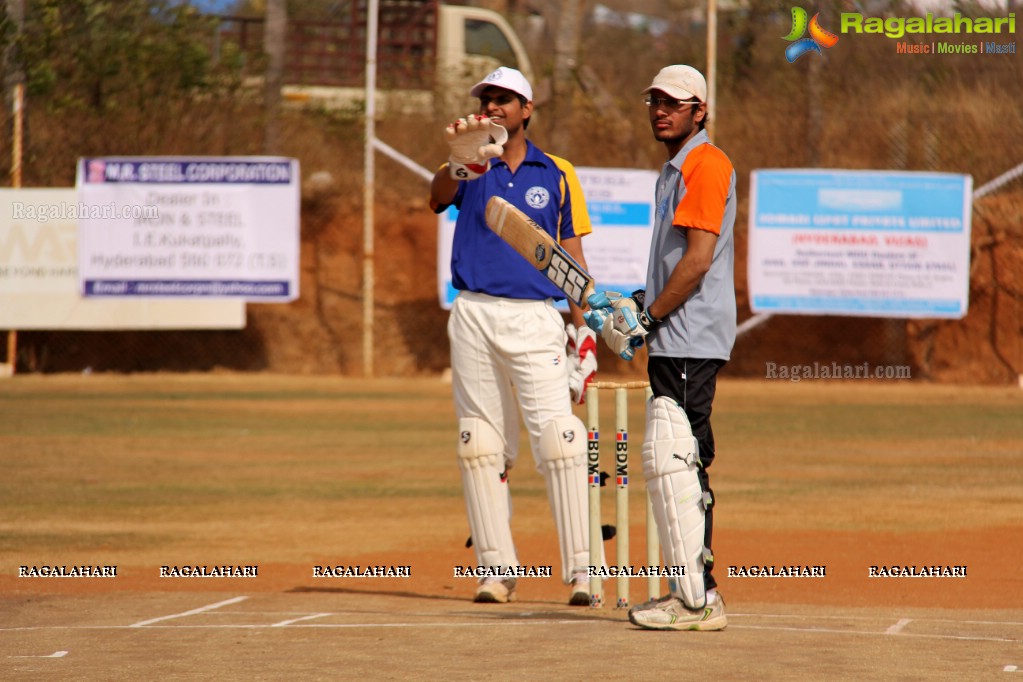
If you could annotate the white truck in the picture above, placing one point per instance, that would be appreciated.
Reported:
(429, 54)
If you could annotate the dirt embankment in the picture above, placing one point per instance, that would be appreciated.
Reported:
(322, 332)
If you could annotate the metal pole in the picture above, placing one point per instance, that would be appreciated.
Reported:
(17, 109)
(367, 194)
(16, 150)
(14, 76)
(274, 42)
(712, 64)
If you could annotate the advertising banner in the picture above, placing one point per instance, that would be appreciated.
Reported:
(866, 243)
(189, 227)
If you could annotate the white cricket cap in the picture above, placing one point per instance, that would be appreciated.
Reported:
(507, 78)
(681, 82)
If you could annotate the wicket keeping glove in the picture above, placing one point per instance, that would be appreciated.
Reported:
(620, 320)
(474, 140)
(582, 361)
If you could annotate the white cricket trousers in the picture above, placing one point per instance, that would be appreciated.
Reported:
(507, 353)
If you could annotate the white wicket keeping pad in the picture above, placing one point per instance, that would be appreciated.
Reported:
(563, 462)
(540, 249)
(481, 460)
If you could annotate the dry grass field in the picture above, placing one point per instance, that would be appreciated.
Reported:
(289, 473)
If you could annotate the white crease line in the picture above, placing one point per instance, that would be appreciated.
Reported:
(441, 625)
(193, 612)
(347, 626)
(445, 625)
(897, 628)
(263, 613)
(296, 620)
(733, 626)
(819, 616)
(251, 626)
(872, 634)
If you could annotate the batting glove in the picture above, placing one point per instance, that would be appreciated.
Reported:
(474, 141)
(620, 321)
(582, 361)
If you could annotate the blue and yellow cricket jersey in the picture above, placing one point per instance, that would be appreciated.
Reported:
(547, 189)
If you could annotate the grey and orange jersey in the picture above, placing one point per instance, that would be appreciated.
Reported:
(695, 191)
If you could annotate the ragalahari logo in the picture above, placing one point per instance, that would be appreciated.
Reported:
(819, 37)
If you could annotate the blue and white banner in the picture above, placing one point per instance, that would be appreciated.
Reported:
(620, 202)
(189, 227)
(864, 243)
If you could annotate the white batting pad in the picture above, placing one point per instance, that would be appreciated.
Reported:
(670, 464)
(563, 462)
(481, 459)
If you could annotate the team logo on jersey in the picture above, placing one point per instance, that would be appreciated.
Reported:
(538, 197)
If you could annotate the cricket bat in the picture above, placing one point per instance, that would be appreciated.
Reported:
(540, 249)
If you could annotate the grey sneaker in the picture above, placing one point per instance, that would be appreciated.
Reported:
(580, 594)
(495, 591)
(672, 614)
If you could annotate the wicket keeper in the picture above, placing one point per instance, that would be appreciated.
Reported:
(508, 341)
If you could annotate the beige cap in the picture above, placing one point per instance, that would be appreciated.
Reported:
(681, 82)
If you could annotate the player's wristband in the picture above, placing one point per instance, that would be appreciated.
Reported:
(467, 171)
(648, 321)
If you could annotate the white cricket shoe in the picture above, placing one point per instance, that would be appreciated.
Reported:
(495, 590)
(672, 614)
(580, 594)
(650, 603)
